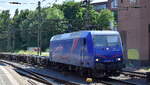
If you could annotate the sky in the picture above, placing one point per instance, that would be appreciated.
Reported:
(30, 4)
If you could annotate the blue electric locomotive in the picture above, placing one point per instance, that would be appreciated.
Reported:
(100, 53)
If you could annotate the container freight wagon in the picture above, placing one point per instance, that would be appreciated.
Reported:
(99, 52)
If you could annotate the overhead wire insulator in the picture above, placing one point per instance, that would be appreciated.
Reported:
(14, 2)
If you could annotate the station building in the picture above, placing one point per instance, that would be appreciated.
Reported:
(134, 20)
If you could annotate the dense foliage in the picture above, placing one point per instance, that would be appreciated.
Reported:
(21, 30)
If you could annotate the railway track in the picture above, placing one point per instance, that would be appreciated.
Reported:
(122, 82)
(31, 82)
(137, 74)
(38, 76)
(111, 81)
(43, 78)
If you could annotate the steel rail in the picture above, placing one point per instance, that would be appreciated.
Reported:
(121, 81)
(60, 80)
(34, 78)
(106, 82)
(111, 81)
(30, 74)
(136, 74)
(31, 82)
(40, 75)
(140, 73)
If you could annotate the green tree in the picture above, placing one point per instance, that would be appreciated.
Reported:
(4, 26)
(16, 12)
(54, 13)
(60, 18)
(73, 13)
(4, 20)
(80, 16)
(105, 18)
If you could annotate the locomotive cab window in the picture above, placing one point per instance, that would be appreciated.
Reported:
(106, 40)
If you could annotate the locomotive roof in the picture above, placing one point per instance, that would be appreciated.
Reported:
(82, 34)
(104, 32)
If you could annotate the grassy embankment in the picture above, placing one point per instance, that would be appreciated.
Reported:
(32, 53)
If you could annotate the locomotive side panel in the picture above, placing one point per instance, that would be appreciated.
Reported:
(67, 51)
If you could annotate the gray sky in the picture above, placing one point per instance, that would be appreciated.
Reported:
(29, 4)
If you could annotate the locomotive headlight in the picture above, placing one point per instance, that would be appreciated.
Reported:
(97, 59)
(119, 59)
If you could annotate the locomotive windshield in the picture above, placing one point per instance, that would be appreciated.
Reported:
(106, 40)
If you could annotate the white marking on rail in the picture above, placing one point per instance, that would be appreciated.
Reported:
(10, 77)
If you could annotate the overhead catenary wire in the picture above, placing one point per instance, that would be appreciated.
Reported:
(47, 4)
(51, 3)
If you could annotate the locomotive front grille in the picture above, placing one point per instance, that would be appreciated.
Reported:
(109, 66)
